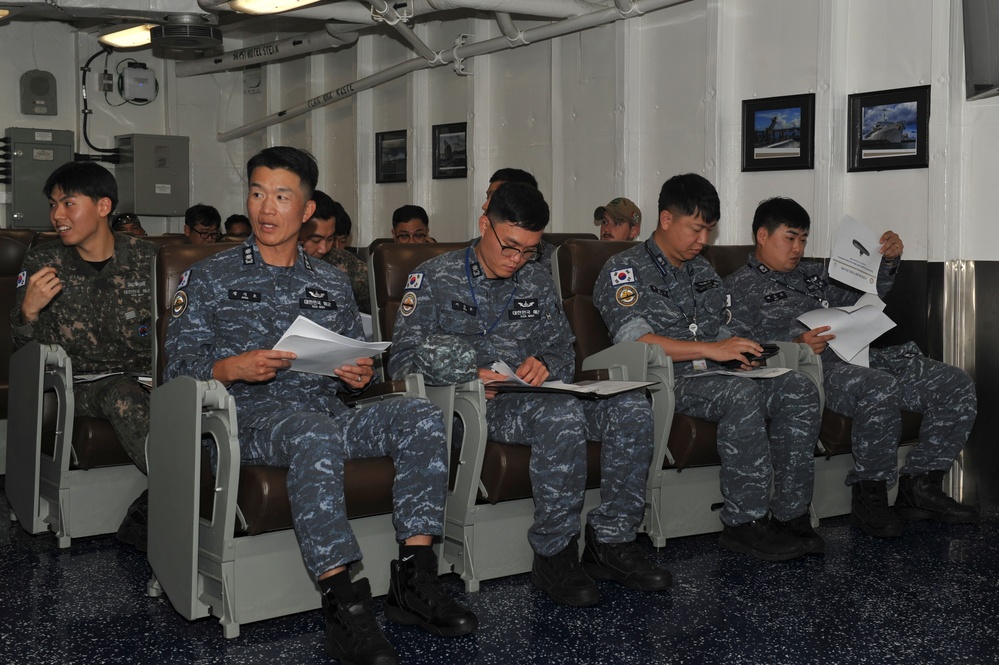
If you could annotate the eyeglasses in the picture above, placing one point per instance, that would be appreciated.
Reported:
(207, 235)
(529, 254)
(406, 237)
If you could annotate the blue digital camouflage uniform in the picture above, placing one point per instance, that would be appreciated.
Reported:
(636, 298)
(233, 302)
(101, 319)
(899, 377)
(511, 320)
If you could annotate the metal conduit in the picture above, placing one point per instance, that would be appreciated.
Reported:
(388, 13)
(254, 55)
(541, 33)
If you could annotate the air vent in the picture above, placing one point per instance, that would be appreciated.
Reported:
(185, 41)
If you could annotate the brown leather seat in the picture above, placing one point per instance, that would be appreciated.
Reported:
(263, 495)
(505, 466)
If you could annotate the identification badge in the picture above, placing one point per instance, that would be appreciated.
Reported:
(245, 296)
(700, 365)
(523, 309)
(459, 306)
(316, 303)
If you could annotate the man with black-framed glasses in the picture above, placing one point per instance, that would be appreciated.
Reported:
(495, 298)
(202, 224)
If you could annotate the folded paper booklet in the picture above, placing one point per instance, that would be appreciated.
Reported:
(591, 389)
(320, 351)
(90, 378)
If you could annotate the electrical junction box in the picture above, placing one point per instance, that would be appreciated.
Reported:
(138, 84)
(34, 155)
(153, 174)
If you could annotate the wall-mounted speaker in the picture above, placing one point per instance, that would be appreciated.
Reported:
(38, 93)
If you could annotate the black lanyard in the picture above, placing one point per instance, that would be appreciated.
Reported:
(475, 301)
(659, 262)
(766, 272)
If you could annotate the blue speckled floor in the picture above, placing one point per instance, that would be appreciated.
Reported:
(930, 597)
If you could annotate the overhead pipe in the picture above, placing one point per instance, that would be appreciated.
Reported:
(626, 7)
(263, 53)
(506, 25)
(548, 8)
(458, 53)
(388, 14)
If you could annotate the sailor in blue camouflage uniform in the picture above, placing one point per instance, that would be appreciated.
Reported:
(498, 299)
(228, 313)
(662, 292)
(774, 288)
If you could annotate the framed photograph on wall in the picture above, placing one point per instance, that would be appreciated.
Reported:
(888, 129)
(778, 133)
(390, 156)
(450, 158)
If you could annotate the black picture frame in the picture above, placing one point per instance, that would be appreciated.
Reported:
(778, 133)
(390, 156)
(882, 125)
(450, 150)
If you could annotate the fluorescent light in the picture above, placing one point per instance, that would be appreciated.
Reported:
(267, 6)
(128, 37)
(4, 13)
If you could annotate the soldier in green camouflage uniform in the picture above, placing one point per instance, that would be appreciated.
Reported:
(91, 294)
(318, 240)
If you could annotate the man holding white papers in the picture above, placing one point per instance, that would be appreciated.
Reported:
(663, 292)
(228, 313)
(775, 288)
(496, 298)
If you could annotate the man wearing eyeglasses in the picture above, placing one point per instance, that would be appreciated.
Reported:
(410, 223)
(128, 224)
(495, 297)
(202, 224)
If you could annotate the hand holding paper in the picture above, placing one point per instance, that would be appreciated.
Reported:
(855, 327)
(322, 351)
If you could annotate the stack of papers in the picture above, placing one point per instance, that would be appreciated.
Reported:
(320, 351)
(855, 327)
(513, 383)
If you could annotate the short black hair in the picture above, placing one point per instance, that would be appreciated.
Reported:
(519, 204)
(232, 220)
(405, 213)
(325, 206)
(772, 213)
(203, 214)
(343, 224)
(296, 160)
(88, 179)
(690, 194)
(514, 175)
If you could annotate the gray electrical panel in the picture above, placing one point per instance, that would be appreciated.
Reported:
(35, 154)
(153, 174)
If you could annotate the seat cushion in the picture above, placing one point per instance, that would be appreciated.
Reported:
(692, 442)
(263, 493)
(505, 471)
(837, 431)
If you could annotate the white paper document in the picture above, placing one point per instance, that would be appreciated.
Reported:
(320, 351)
(855, 257)
(90, 378)
(583, 388)
(855, 327)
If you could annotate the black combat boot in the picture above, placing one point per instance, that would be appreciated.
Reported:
(921, 497)
(801, 528)
(761, 539)
(624, 563)
(562, 577)
(352, 635)
(416, 597)
(870, 510)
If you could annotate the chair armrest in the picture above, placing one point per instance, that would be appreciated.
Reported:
(800, 357)
(411, 386)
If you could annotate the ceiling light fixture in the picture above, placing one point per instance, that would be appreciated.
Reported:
(4, 13)
(267, 6)
(132, 36)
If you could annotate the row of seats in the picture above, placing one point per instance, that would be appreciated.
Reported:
(222, 545)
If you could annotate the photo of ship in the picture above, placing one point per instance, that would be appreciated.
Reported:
(889, 130)
(777, 133)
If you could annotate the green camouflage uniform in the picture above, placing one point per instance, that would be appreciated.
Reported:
(103, 322)
(357, 271)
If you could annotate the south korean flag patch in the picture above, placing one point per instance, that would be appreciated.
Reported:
(415, 281)
(183, 278)
(22, 278)
(622, 276)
